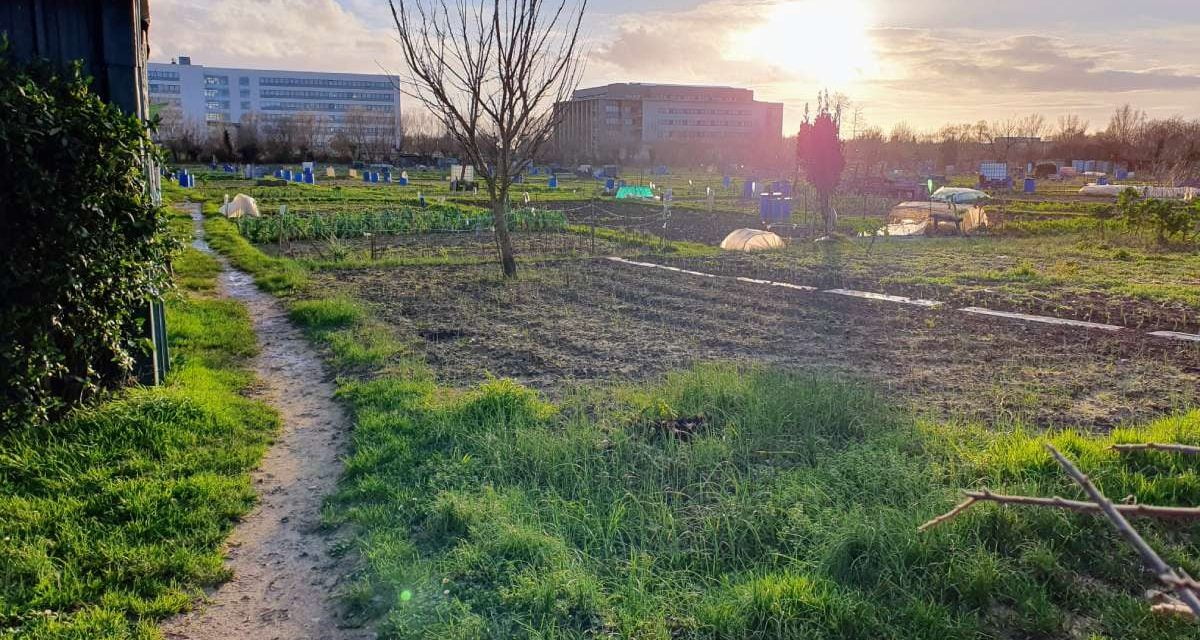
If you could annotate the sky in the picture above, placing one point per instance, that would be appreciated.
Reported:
(922, 62)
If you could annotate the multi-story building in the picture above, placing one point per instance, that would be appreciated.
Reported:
(332, 102)
(631, 121)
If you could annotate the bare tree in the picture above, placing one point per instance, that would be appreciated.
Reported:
(1003, 137)
(1124, 128)
(491, 72)
(1070, 137)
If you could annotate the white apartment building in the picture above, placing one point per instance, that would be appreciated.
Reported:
(229, 95)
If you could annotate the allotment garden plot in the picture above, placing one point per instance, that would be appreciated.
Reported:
(574, 316)
(598, 320)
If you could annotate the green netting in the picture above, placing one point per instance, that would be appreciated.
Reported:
(634, 192)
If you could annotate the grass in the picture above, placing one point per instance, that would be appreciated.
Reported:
(274, 275)
(789, 509)
(792, 513)
(113, 518)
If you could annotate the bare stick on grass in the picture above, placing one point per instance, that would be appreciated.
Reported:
(1144, 510)
(1156, 446)
(1165, 573)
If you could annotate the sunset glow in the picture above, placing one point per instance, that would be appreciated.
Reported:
(820, 40)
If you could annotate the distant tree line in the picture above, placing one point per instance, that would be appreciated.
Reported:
(359, 136)
(1166, 149)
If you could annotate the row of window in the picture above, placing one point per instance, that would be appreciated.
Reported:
(155, 74)
(323, 106)
(328, 95)
(324, 82)
(217, 105)
(700, 134)
(163, 88)
(717, 112)
(706, 123)
(216, 93)
(703, 97)
(214, 81)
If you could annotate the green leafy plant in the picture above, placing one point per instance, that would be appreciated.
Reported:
(1167, 219)
(82, 246)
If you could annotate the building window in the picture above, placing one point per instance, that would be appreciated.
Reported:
(327, 95)
(217, 105)
(213, 81)
(156, 74)
(323, 106)
(245, 93)
(244, 81)
(245, 105)
(324, 82)
(216, 93)
(214, 117)
(163, 88)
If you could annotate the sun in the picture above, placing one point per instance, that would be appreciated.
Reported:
(821, 40)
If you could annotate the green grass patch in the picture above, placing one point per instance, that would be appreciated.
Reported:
(195, 270)
(274, 275)
(789, 511)
(113, 518)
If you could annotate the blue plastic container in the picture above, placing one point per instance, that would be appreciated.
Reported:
(1030, 185)
(402, 181)
(610, 184)
(726, 182)
(553, 183)
(1102, 180)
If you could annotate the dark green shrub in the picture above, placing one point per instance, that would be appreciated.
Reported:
(82, 246)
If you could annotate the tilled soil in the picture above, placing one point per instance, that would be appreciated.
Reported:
(599, 321)
(285, 577)
(680, 225)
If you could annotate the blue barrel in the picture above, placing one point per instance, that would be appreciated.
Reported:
(403, 181)
(610, 184)
(1122, 174)
(1030, 185)
(1102, 180)
(375, 177)
(366, 175)
(309, 178)
(726, 181)
(764, 207)
(748, 189)
(553, 184)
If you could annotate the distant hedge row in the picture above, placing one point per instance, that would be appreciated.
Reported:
(82, 247)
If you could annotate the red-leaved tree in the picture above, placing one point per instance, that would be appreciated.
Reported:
(819, 153)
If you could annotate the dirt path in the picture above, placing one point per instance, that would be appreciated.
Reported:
(283, 574)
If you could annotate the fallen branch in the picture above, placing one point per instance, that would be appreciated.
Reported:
(1157, 446)
(1149, 556)
(959, 508)
(1143, 510)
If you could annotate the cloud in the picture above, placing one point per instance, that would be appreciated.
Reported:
(278, 34)
(685, 46)
(1020, 63)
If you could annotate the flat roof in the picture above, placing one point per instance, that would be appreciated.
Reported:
(326, 73)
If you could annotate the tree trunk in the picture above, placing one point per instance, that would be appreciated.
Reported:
(826, 211)
(500, 217)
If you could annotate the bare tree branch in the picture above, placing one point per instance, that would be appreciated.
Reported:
(1156, 446)
(1149, 557)
(1143, 510)
(491, 73)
